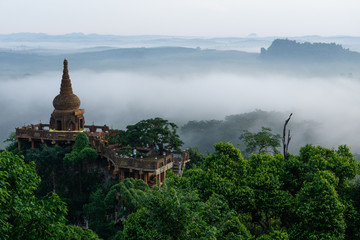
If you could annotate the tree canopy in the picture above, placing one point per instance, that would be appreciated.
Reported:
(231, 197)
(261, 142)
(22, 214)
(147, 133)
(224, 195)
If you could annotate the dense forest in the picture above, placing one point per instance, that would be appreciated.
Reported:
(256, 193)
(205, 133)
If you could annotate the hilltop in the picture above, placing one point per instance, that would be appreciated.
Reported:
(285, 50)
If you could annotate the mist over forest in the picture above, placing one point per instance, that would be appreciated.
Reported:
(212, 94)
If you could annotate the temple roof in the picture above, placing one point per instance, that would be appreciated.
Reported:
(66, 100)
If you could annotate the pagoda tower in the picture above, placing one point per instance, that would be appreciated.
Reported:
(67, 116)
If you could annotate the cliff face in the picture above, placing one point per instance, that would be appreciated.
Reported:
(285, 50)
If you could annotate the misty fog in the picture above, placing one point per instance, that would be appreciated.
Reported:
(122, 98)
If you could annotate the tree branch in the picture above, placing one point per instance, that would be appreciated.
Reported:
(286, 143)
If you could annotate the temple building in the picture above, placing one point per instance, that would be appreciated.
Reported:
(67, 121)
(67, 115)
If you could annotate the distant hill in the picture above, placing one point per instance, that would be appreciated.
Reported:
(160, 59)
(285, 50)
(283, 56)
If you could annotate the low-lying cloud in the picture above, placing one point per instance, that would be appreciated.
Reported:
(121, 98)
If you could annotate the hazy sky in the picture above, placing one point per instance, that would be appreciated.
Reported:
(182, 17)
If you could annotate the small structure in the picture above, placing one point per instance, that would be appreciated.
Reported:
(67, 121)
(148, 165)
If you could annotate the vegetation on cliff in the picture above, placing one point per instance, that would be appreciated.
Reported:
(224, 195)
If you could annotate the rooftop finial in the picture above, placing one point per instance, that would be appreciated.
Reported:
(66, 71)
(65, 82)
(66, 100)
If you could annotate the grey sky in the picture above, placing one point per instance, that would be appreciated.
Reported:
(182, 17)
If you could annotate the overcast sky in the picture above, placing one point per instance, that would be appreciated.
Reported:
(206, 18)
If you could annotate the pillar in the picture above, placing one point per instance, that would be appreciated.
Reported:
(122, 175)
(146, 177)
(19, 145)
(157, 179)
(164, 176)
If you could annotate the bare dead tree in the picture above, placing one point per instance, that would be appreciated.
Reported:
(284, 141)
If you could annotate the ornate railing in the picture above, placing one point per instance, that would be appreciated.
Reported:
(34, 133)
(45, 134)
(152, 163)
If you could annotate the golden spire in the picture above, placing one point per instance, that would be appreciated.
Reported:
(66, 100)
(66, 87)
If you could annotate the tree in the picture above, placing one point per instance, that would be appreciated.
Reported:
(77, 233)
(22, 214)
(117, 136)
(156, 130)
(96, 213)
(285, 141)
(302, 197)
(197, 158)
(49, 166)
(13, 144)
(109, 206)
(263, 142)
(319, 209)
(82, 180)
(169, 212)
(125, 197)
(81, 151)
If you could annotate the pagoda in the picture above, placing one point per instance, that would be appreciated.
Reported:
(67, 121)
(67, 116)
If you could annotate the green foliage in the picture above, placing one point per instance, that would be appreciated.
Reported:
(170, 213)
(341, 162)
(77, 233)
(263, 142)
(125, 196)
(67, 173)
(319, 209)
(96, 214)
(117, 136)
(49, 165)
(269, 199)
(222, 174)
(81, 151)
(121, 200)
(222, 196)
(147, 133)
(12, 143)
(304, 197)
(218, 214)
(22, 214)
(263, 197)
(225, 159)
(204, 134)
(81, 142)
(197, 158)
(275, 235)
